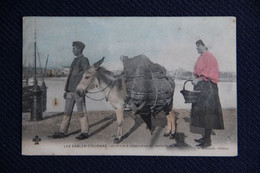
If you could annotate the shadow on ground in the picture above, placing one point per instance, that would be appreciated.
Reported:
(180, 142)
(109, 118)
(137, 124)
(158, 124)
(52, 115)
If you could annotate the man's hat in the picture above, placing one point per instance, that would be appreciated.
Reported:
(200, 42)
(78, 44)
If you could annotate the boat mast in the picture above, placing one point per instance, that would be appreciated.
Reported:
(35, 69)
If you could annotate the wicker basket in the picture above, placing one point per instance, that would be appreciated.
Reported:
(189, 96)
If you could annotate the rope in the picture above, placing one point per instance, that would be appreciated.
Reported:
(143, 93)
(157, 74)
(95, 99)
(106, 97)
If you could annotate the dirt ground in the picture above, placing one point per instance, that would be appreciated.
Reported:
(136, 136)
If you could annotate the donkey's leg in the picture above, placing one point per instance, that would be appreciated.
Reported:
(170, 129)
(119, 117)
(169, 126)
(172, 119)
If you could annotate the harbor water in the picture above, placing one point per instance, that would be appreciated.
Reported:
(56, 102)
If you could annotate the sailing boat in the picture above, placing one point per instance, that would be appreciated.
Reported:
(27, 98)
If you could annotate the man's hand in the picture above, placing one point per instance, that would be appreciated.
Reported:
(65, 95)
(195, 81)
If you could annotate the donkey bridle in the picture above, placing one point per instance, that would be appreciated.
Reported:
(106, 97)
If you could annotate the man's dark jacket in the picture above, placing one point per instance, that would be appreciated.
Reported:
(77, 69)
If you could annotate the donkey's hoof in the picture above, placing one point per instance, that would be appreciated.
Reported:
(167, 134)
(172, 136)
(117, 140)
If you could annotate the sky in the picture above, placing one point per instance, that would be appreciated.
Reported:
(169, 41)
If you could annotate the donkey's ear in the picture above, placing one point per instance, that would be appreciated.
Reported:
(97, 64)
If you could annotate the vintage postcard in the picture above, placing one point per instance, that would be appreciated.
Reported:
(150, 86)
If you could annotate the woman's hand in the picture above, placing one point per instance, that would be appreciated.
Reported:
(195, 81)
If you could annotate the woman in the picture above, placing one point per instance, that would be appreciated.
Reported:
(206, 112)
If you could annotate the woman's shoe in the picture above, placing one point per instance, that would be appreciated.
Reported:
(206, 143)
(199, 140)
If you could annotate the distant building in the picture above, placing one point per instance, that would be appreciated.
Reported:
(180, 73)
(227, 76)
(57, 72)
(65, 71)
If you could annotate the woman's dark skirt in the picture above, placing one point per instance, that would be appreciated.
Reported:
(206, 112)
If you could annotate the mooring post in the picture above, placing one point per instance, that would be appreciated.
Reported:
(36, 109)
(44, 96)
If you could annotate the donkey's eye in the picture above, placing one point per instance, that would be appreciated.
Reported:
(86, 77)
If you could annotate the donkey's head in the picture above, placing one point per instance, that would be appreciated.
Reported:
(89, 79)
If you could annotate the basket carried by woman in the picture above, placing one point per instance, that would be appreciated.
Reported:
(189, 96)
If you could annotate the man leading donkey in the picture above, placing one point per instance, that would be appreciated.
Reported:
(79, 65)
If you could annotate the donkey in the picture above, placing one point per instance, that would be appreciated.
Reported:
(114, 90)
